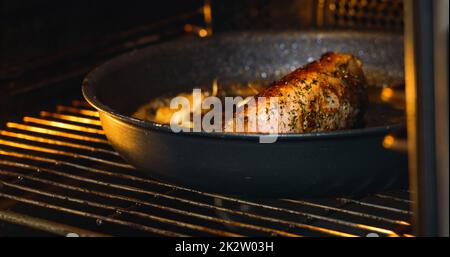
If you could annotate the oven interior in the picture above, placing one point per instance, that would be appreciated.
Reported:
(60, 176)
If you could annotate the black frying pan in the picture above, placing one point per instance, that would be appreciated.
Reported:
(345, 162)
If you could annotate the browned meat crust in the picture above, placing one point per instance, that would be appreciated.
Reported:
(327, 94)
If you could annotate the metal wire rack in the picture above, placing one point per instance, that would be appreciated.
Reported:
(60, 176)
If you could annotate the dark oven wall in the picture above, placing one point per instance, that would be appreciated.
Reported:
(30, 29)
(42, 41)
(47, 46)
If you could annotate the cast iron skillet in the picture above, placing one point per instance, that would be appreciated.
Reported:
(345, 162)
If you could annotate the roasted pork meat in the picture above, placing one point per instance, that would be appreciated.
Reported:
(328, 94)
